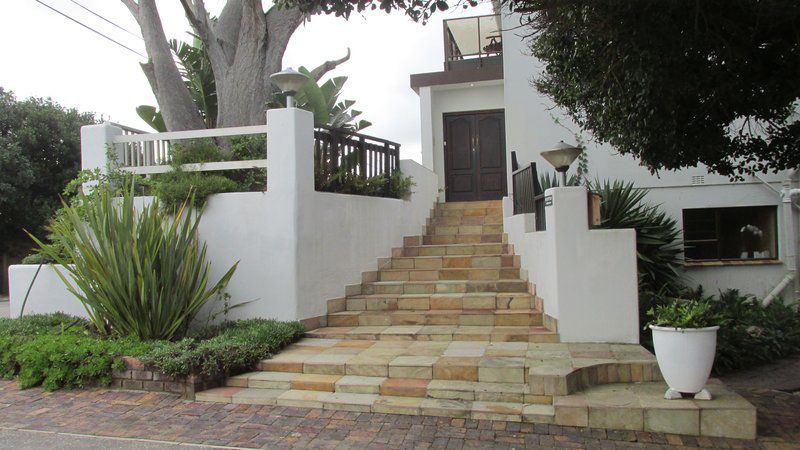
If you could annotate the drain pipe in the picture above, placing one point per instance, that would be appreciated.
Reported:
(788, 193)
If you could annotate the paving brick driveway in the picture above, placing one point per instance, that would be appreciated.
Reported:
(165, 417)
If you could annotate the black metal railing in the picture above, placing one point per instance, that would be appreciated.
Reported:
(345, 154)
(528, 194)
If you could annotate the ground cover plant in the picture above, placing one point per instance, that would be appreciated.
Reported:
(61, 351)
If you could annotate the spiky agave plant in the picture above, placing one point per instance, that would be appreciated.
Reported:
(138, 271)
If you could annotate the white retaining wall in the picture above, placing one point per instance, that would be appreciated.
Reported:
(297, 248)
(586, 277)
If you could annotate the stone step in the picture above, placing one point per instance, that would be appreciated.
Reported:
(494, 219)
(473, 212)
(509, 273)
(464, 317)
(454, 230)
(493, 248)
(477, 300)
(463, 239)
(443, 287)
(483, 204)
(450, 262)
(445, 389)
(440, 333)
(624, 406)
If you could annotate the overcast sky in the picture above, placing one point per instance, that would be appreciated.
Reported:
(47, 55)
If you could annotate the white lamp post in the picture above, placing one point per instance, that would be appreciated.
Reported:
(289, 81)
(561, 157)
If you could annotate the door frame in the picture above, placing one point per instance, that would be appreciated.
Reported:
(445, 148)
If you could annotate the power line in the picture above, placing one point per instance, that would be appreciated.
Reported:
(103, 18)
(89, 28)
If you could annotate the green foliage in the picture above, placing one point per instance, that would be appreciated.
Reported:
(709, 84)
(139, 272)
(397, 185)
(35, 324)
(71, 360)
(323, 101)
(173, 188)
(234, 347)
(681, 313)
(39, 154)
(658, 248)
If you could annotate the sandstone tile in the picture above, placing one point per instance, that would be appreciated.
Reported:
(427, 263)
(572, 410)
(272, 380)
(327, 364)
(451, 390)
(473, 319)
(478, 302)
(502, 370)
(446, 302)
(404, 387)
(456, 368)
(672, 420)
(446, 408)
(315, 382)
(355, 344)
(397, 405)
(412, 367)
(538, 413)
(511, 412)
(257, 396)
(303, 399)
(340, 401)
(414, 303)
(354, 384)
(732, 423)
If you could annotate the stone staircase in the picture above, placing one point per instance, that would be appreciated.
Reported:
(448, 326)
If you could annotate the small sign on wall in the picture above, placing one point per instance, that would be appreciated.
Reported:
(548, 200)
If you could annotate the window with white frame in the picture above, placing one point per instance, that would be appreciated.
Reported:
(737, 233)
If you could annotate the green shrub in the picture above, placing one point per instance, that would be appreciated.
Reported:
(71, 360)
(9, 347)
(343, 182)
(680, 313)
(173, 188)
(238, 347)
(36, 324)
(139, 272)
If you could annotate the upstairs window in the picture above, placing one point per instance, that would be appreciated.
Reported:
(740, 233)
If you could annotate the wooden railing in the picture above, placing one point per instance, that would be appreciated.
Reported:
(528, 194)
(341, 151)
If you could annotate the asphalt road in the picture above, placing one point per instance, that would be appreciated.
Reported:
(32, 440)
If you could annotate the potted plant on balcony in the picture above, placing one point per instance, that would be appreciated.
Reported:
(685, 341)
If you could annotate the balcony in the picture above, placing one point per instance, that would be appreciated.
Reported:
(472, 42)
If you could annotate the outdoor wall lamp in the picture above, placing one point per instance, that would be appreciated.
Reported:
(289, 81)
(561, 157)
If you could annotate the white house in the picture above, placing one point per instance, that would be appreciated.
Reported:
(482, 106)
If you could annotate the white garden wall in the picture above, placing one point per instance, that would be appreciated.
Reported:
(586, 277)
(296, 248)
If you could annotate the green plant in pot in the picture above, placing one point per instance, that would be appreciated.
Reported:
(685, 341)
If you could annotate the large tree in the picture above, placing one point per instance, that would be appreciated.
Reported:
(672, 82)
(40, 152)
(244, 44)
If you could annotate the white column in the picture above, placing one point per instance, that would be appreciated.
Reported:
(96, 144)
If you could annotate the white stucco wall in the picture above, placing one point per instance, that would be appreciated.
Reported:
(296, 248)
(436, 101)
(587, 278)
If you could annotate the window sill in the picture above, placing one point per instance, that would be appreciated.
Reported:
(733, 262)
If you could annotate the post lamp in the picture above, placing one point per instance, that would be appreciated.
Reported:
(289, 81)
(561, 157)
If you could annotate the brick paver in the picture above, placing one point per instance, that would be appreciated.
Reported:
(166, 417)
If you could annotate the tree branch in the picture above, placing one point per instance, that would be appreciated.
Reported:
(327, 66)
(133, 7)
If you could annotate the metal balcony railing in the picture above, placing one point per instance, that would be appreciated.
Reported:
(472, 38)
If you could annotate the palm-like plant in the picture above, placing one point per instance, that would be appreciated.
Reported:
(137, 271)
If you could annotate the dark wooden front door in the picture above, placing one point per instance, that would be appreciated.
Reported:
(475, 156)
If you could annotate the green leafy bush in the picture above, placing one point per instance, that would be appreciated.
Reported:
(139, 272)
(71, 360)
(238, 346)
(681, 313)
(397, 185)
(173, 188)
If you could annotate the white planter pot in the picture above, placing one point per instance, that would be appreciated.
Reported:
(685, 356)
